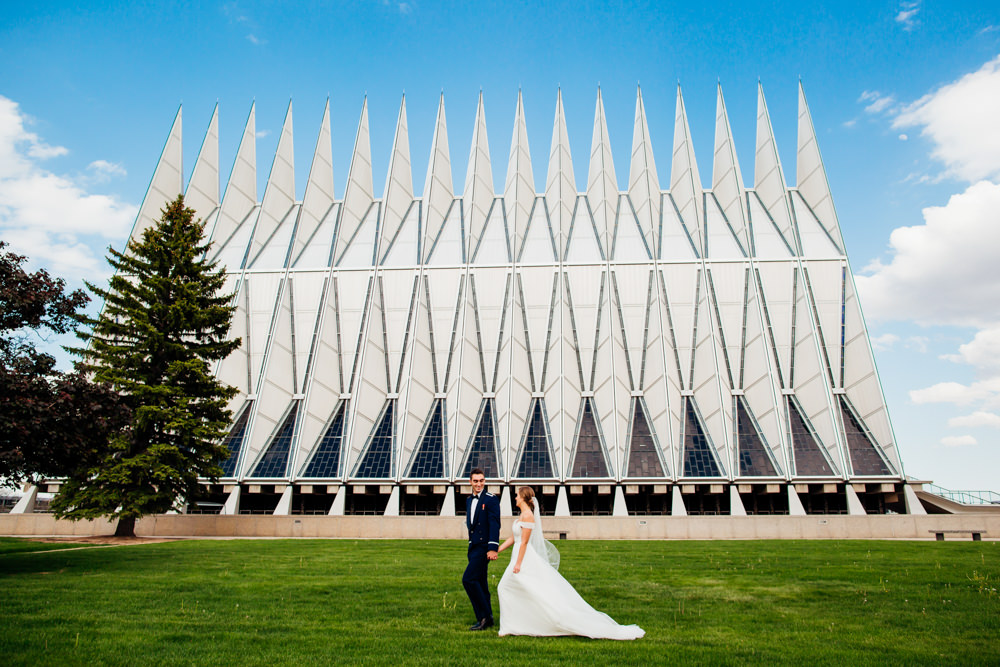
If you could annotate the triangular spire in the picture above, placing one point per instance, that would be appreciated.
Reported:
(398, 186)
(359, 195)
(643, 183)
(318, 198)
(602, 186)
(727, 182)
(560, 185)
(685, 183)
(478, 193)
(438, 190)
(519, 189)
(769, 182)
(203, 189)
(279, 197)
(167, 182)
(241, 189)
(810, 175)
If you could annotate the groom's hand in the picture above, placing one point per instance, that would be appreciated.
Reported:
(491, 555)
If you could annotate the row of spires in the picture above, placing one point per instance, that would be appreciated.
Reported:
(519, 193)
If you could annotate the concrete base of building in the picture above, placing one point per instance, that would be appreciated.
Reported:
(813, 526)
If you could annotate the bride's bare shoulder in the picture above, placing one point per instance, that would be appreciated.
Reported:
(527, 517)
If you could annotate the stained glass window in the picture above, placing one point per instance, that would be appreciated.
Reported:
(865, 459)
(234, 441)
(755, 460)
(589, 459)
(483, 449)
(326, 459)
(535, 459)
(699, 459)
(809, 458)
(377, 461)
(274, 463)
(429, 460)
(643, 460)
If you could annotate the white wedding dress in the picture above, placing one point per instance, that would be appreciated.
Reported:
(539, 602)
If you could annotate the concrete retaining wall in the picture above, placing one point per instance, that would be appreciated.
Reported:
(895, 526)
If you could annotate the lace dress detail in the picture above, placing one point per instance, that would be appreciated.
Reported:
(539, 602)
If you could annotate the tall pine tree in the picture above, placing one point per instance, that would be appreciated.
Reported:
(165, 320)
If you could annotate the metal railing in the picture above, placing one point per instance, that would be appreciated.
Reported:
(965, 497)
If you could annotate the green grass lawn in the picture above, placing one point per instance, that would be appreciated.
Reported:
(272, 602)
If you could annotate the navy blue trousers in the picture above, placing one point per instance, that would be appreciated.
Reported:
(476, 583)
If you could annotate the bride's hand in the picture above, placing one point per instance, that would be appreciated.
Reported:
(517, 568)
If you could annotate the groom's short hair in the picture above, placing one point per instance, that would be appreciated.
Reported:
(476, 471)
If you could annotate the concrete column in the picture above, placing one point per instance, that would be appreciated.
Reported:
(448, 509)
(854, 506)
(562, 502)
(392, 509)
(337, 509)
(913, 504)
(620, 508)
(26, 503)
(284, 507)
(795, 507)
(232, 504)
(505, 503)
(735, 502)
(677, 504)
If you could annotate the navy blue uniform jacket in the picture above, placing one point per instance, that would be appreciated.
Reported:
(485, 526)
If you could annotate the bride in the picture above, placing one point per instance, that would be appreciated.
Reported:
(534, 598)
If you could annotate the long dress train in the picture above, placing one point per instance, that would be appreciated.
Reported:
(539, 602)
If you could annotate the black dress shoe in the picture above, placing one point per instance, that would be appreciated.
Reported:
(483, 624)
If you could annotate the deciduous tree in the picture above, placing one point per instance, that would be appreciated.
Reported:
(50, 422)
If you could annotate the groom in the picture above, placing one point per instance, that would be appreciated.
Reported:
(482, 517)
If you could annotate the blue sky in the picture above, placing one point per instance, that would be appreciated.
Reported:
(905, 98)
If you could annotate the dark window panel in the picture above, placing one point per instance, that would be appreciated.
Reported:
(865, 459)
(589, 460)
(643, 460)
(483, 449)
(429, 461)
(809, 458)
(326, 460)
(699, 460)
(377, 462)
(234, 441)
(535, 459)
(274, 463)
(754, 457)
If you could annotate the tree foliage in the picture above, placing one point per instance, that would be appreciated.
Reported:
(50, 421)
(165, 320)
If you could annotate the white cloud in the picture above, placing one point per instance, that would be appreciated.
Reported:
(982, 352)
(907, 15)
(260, 134)
(255, 40)
(958, 441)
(945, 270)
(903, 137)
(960, 120)
(875, 102)
(884, 342)
(48, 217)
(918, 343)
(102, 171)
(984, 394)
(976, 419)
(954, 392)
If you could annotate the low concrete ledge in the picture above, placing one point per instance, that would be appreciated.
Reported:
(895, 526)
